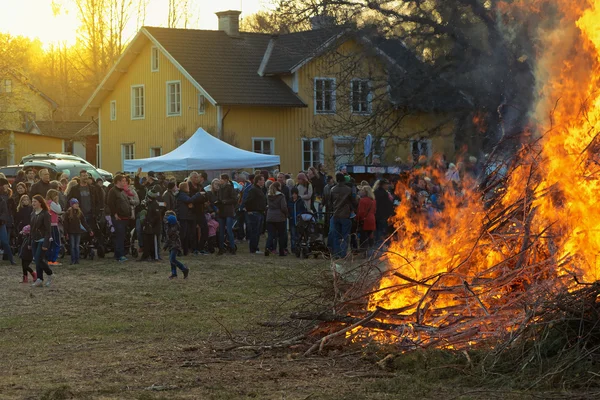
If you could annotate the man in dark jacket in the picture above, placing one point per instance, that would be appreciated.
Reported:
(120, 214)
(343, 202)
(385, 209)
(42, 186)
(226, 200)
(255, 205)
(169, 197)
(187, 219)
(88, 198)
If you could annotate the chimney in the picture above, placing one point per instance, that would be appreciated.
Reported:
(229, 22)
(322, 21)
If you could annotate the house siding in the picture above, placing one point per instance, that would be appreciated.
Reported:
(156, 129)
(26, 143)
(288, 126)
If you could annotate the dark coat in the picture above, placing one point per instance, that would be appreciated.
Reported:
(95, 198)
(342, 200)
(385, 206)
(170, 200)
(173, 241)
(296, 208)
(182, 200)
(41, 227)
(153, 221)
(25, 252)
(118, 204)
(256, 200)
(226, 201)
(5, 217)
(23, 217)
(277, 211)
(40, 188)
(72, 222)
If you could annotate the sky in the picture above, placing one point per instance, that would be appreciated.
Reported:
(35, 18)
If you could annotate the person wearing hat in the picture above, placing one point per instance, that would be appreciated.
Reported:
(75, 225)
(152, 225)
(173, 246)
(5, 220)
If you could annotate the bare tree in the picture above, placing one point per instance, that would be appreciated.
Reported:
(464, 42)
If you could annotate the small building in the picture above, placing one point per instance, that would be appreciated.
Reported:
(21, 104)
(311, 97)
(79, 138)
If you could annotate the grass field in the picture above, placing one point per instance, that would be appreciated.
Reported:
(123, 331)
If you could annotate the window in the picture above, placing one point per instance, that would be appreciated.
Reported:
(155, 151)
(343, 150)
(312, 152)
(263, 145)
(201, 104)
(154, 59)
(113, 110)
(8, 85)
(138, 102)
(173, 98)
(127, 152)
(324, 95)
(420, 147)
(360, 96)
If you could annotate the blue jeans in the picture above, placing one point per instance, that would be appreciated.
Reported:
(119, 241)
(226, 223)
(5, 242)
(41, 264)
(175, 263)
(54, 248)
(254, 223)
(74, 240)
(341, 232)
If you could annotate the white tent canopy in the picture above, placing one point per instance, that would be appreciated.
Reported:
(203, 151)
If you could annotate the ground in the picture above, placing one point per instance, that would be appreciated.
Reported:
(123, 331)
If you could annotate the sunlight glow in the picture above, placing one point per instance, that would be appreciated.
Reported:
(36, 19)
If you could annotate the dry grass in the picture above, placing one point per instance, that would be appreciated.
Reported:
(123, 331)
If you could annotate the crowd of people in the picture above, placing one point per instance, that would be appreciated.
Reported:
(198, 217)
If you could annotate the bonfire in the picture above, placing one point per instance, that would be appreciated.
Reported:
(489, 264)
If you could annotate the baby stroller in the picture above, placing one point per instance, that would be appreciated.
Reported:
(310, 236)
(106, 239)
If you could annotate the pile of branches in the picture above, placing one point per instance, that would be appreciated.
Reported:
(528, 307)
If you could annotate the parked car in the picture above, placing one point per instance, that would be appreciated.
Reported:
(10, 171)
(59, 166)
(63, 156)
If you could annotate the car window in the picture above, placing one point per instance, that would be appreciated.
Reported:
(9, 171)
(94, 173)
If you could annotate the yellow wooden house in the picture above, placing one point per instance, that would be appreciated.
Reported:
(310, 97)
(21, 105)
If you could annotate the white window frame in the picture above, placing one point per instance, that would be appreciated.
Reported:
(201, 104)
(133, 87)
(333, 96)
(169, 85)
(321, 152)
(369, 109)
(264, 139)
(8, 86)
(123, 152)
(429, 146)
(153, 148)
(113, 110)
(154, 59)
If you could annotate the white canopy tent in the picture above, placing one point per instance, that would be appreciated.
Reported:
(203, 151)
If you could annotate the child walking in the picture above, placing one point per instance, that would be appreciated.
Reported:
(75, 225)
(173, 245)
(55, 211)
(25, 254)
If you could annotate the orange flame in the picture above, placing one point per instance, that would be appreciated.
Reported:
(441, 263)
